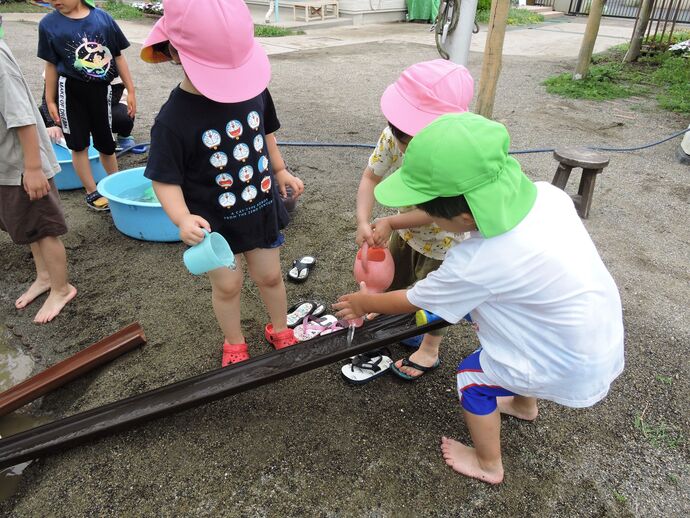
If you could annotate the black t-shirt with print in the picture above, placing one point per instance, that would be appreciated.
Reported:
(217, 153)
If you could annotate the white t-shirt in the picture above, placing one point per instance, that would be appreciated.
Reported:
(548, 312)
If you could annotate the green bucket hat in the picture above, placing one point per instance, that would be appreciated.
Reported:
(463, 153)
(90, 3)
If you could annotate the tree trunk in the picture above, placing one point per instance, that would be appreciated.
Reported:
(588, 40)
(493, 51)
(638, 34)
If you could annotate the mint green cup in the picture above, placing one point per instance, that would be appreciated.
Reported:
(212, 253)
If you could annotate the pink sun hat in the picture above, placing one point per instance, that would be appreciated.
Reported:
(424, 92)
(215, 41)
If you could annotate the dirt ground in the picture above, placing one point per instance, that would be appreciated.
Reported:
(312, 445)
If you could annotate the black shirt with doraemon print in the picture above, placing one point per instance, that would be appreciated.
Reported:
(217, 153)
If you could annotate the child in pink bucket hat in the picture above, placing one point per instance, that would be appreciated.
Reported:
(422, 93)
(214, 159)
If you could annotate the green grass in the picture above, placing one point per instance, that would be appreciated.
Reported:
(658, 435)
(515, 17)
(661, 74)
(666, 380)
(270, 31)
(21, 7)
(121, 11)
(620, 498)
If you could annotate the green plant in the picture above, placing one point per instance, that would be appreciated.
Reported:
(268, 31)
(20, 7)
(658, 435)
(663, 73)
(619, 497)
(666, 380)
(515, 17)
(121, 11)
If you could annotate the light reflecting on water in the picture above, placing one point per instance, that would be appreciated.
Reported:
(15, 367)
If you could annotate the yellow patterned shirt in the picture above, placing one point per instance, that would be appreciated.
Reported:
(428, 240)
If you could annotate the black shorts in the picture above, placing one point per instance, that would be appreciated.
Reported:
(85, 112)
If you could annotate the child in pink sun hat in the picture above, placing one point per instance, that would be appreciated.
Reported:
(214, 160)
(422, 93)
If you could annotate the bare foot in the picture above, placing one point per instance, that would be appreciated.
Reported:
(463, 459)
(524, 408)
(38, 288)
(420, 357)
(54, 304)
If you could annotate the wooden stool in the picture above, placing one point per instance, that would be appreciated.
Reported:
(591, 162)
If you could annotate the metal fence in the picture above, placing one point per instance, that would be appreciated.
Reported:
(663, 9)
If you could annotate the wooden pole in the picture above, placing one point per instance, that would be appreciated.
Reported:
(638, 34)
(588, 40)
(493, 51)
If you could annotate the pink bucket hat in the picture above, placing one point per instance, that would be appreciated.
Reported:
(215, 41)
(425, 91)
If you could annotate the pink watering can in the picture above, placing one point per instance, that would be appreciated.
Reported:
(375, 267)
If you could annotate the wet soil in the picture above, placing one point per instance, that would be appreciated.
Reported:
(311, 444)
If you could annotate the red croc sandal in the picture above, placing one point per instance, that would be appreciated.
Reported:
(280, 340)
(234, 353)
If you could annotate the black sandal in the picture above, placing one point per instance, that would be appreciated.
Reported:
(367, 366)
(301, 268)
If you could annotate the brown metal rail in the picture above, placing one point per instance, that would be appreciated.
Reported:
(71, 431)
(53, 377)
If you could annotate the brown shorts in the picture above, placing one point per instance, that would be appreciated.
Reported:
(28, 221)
(410, 267)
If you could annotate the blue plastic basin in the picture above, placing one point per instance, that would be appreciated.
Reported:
(145, 220)
(67, 178)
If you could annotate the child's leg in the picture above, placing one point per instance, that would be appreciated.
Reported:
(109, 163)
(80, 161)
(40, 285)
(522, 407)
(227, 287)
(478, 397)
(482, 462)
(264, 269)
(51, 253)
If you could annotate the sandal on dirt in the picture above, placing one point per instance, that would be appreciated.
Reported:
(367, 366)
(302, 309)
(281, 340)
(97, 201)
(234, 353)
(301, 268)
(409, 363)
(312, 327)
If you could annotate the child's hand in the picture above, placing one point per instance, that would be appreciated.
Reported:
(191, 229)
(54, 113)
(285, 178)
(131, 104)
(35, 183)
(350, 306)
(55, 133)
(382, 232)
(365, 232)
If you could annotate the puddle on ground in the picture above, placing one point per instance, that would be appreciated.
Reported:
(15, 366)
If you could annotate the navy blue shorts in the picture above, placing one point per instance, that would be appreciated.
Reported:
(477, 393)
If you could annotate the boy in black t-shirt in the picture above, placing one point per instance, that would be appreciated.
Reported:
(214, 159)
(82, 48)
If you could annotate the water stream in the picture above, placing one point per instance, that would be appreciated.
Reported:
(15, 366)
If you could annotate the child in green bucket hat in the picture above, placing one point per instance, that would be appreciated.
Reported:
(547, 312)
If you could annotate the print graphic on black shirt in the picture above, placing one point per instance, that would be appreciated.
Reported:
(84, 49)
(216, 152)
